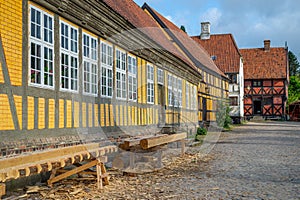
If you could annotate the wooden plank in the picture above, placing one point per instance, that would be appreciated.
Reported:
(49, 154)
(160, 140)
(73, 171)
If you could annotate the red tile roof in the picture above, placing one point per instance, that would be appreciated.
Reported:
(129, 10)
(261, 64)
(197, 53)
(222, 46)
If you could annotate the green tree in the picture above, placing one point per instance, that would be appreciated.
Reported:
(293, 64)
(182, 28)
(294, 89)
(222, 115)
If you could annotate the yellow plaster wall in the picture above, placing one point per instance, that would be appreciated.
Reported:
(51, 114)
(41, 114)
(7, 122)
(11, 33)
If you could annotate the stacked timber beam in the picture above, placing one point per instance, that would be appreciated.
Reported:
(151, 141)
(146, 144)
(53, 159)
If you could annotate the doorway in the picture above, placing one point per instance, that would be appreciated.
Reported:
(257, 107)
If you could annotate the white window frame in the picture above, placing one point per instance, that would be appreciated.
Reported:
(90, 66)
(106, 81)
(187, 95)
(194, 97)
(132, 80)
(121, 74)
(69, 58)
(45, 42)
(150, 84)
(170, 90)
(179, 92)
(160, 76)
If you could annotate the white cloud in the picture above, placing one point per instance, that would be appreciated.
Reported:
(169, 17)
(212, 15)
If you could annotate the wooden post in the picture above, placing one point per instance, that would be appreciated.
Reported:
(99, 175)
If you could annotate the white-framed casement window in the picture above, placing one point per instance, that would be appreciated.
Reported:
(179, 92)
(120, 74)
(160, 76)
(170, 90)
(150, 84)
(187, 95)
(90, 67)
(41, 67)
(175, 91)
(194, 97)
(68, 57)
(132, 82)
(106, 70)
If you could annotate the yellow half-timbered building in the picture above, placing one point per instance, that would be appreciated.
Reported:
(70, 67)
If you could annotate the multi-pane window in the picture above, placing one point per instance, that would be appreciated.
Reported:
(187, 95)
(233, 101)
(90, 77)
(120, 74)
(160, 76)
(41, 48)
(106, 69)
(132, 82)
(170, 90)
(150, 83)
(69, 57)
(179, 92)
(194, 98)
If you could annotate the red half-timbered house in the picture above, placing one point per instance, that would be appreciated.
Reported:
(266, 81)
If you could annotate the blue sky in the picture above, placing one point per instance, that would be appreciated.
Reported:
(250, 21)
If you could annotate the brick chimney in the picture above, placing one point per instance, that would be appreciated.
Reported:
(205, 31)
(267, 44)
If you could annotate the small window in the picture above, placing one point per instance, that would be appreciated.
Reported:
(268, 101)
(187, 95)
(41, 49)
(69, 57)
(150, 83)
(160, 76)
(257, 83)
(233, 101)
(132, 81)
(106, 70)
(90, 67)
(121, 74)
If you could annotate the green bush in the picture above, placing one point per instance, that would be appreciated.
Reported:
(201, 131)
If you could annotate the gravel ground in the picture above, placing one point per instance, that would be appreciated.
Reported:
(259, 160)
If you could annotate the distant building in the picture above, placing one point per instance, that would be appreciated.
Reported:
(266, 81)
(214, 86)
(224, 52)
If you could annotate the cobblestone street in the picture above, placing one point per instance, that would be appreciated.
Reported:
(254, 161)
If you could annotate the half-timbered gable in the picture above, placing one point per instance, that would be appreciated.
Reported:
(266, 81)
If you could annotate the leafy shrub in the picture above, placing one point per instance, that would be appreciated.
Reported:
(200, 132)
